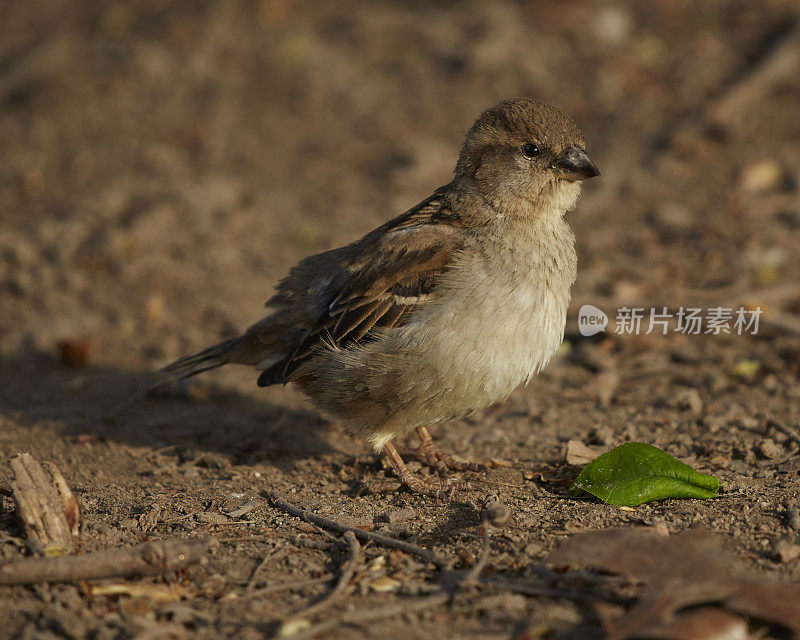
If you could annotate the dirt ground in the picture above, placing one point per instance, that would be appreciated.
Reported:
(164, 163)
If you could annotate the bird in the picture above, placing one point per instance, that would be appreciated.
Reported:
(443, 310)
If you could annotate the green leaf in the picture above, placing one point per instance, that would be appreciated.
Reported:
(635, 472)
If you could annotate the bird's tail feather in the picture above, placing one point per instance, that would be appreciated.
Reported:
(210, 358)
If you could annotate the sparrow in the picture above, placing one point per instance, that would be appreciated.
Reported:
(441, 311)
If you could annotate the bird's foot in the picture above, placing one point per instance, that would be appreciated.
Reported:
(441, 461)
(433, 488)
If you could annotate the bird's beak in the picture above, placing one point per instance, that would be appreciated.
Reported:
(574, 165)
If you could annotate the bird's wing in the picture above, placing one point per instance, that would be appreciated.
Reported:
(342, 295)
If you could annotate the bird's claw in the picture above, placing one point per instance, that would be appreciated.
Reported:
(436, 488)
(443, 462)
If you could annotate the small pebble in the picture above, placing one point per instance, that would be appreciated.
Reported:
(793, 518)
(209, 517)
(770, 449)
(496, 514)
(689, 399)
(786, 551)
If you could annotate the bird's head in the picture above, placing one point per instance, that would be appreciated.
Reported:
(525, 157)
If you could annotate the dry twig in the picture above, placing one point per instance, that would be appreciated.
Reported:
(478, 567)
(151, 558)
(288, 586)
(264, 561)
(332, 525)
(495, 515)
(348, 569)
(244, 509)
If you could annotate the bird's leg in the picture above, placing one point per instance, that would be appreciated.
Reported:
(443, 462)
(417, 484)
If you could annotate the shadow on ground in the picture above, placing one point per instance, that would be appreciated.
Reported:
(107, 403)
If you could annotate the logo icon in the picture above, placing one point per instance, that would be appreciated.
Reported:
(591, 320)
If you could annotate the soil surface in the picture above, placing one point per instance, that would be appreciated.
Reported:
(164, 163)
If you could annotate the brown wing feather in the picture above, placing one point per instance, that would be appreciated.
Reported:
(351, 319)
(375, 282)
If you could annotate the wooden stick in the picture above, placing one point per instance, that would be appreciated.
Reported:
(348, 569)
(332, 525)
(244, 509)
(251, 584)
(72, 508)
(288, 586)
(151, 558)
(49, 511)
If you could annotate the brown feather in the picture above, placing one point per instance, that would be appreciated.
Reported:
(351, 318)
(376, 282)
(370, 321)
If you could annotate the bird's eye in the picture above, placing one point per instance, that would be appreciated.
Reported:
(530, 150)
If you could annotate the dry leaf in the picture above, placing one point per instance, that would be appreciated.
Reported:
(376, 564)
(293, 627)
(157, 593)
(688, 569)
(579, 454)
(74, 353)
(383, 583)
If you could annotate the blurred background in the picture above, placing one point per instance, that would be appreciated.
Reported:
(164, 162)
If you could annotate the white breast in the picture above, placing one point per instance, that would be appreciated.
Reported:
(499, 320)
